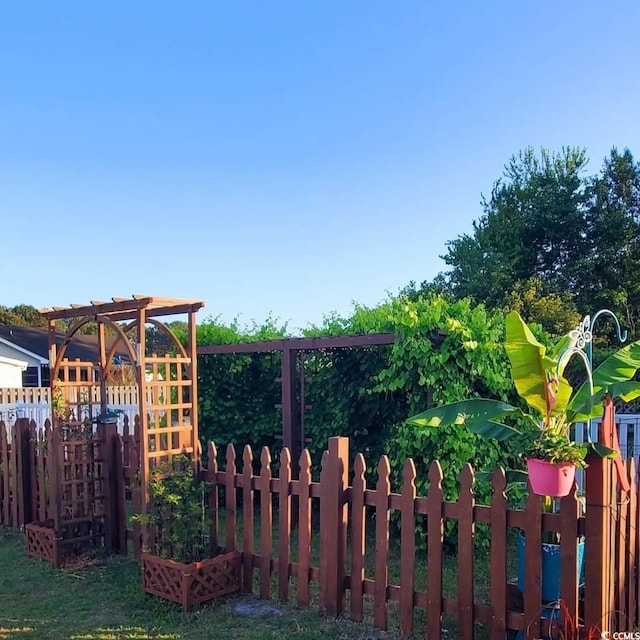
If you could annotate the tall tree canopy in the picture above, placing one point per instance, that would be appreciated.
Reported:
(22, 315)
(611, 272)
(548, 227)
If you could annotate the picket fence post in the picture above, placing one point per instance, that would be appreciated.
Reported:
(597, 544)
(22, 493)
(333, 526)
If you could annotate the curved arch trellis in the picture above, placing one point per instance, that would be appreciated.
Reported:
(167, 384)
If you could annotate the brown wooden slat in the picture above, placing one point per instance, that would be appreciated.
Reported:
(569, 509)
(533, 566)
(284, 525)
(33, 469)
(230, 500)
(498, 556)
(636, 524)
(407, 547)
(610, 541)
(6, 489)
(633, 545)
(333, 526)
(435, 537)
(327, 525)
(304, 531)
(358, 538)
(383, 489)
(120, 496)
(266, 524)
(213, 499)
(466, 530)
(247, 517)
(137, 491)
(305, 344)
(41, 454)
(622, 551)
(615, 541)
(13, 462)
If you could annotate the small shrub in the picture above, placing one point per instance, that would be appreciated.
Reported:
(176, 511)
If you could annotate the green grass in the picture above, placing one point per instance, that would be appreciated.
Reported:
(104, 601)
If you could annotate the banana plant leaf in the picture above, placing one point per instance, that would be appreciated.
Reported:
(620, 367)
(562, 346)
(592, 407)
(531, 369)
(600, 450)
(479, 415)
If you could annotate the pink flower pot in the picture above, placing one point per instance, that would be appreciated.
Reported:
(547, 479)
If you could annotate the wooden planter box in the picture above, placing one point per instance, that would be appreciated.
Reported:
(43, 542)
(194, 583)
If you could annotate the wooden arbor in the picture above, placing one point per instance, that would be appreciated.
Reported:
(167, 384)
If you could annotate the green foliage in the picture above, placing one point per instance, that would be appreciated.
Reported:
(552, 240)
(444, 351)
(555, 311)
(533, 226)
(553, 446)
(238, 393)
(176, 511)
(22, 315)
(537, 373)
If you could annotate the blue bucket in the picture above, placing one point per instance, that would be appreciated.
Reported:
(550, 568)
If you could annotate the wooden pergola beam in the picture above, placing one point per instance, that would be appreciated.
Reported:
(125, 308)
(304, 344)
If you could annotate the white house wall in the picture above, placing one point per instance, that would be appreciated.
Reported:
(11, 372)
(9, 352)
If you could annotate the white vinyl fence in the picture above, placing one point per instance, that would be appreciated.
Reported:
(628, 434)
(34, 403)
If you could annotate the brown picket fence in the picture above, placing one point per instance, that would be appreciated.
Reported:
(328, 541)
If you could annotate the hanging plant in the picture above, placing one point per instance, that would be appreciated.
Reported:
(544, 432)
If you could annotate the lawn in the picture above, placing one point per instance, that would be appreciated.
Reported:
(103, 601)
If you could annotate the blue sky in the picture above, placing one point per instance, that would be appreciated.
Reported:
(283, 158)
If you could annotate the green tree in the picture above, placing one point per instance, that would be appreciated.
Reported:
(533, 226)
(22, 315)
(610, 275)
(556, 312)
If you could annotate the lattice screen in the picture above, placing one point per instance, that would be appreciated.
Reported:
(79, 481)
(79, 385)
(168, 408)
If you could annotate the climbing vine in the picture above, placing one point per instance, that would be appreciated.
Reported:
(445, 351)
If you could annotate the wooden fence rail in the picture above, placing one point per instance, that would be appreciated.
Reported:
(342, 545)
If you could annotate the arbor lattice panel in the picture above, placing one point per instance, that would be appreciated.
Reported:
(80, 473)
(168, 409)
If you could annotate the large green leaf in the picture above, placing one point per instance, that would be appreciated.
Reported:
(592, 407)
(620, 367)
(561, 347)
(531, 369)
(479, 415)
(600, 450)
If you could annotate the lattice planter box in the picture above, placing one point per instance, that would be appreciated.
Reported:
(194, 583)
(43, 542)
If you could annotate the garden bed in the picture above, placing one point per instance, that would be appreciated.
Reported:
(72, 544)
(43, 542)
(194, 583)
